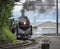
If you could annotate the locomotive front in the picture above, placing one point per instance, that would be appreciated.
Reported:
(24, 29)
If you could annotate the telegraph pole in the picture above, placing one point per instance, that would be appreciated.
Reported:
(57, 16)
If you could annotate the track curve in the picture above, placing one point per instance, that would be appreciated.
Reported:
(24, 43)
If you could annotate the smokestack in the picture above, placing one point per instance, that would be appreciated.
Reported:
(22, 12)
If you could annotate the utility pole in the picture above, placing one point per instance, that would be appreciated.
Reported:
(57, 16)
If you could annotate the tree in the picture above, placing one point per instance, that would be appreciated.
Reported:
(6, 7)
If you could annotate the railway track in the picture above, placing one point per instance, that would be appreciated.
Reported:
(25, 43)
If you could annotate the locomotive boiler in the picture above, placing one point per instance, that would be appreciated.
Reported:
(24, 29)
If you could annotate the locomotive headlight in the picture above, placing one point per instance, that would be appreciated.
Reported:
(24, 23)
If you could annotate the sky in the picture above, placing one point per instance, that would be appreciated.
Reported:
(35, 16)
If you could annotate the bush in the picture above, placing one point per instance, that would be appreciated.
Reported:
(7, 36)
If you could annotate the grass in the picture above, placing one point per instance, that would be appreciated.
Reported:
(7, 36)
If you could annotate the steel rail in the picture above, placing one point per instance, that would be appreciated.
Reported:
(25, 43)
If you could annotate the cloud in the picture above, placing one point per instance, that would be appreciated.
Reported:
(48, 16)
(17, 8)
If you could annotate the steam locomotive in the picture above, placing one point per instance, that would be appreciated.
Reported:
(23, 27)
